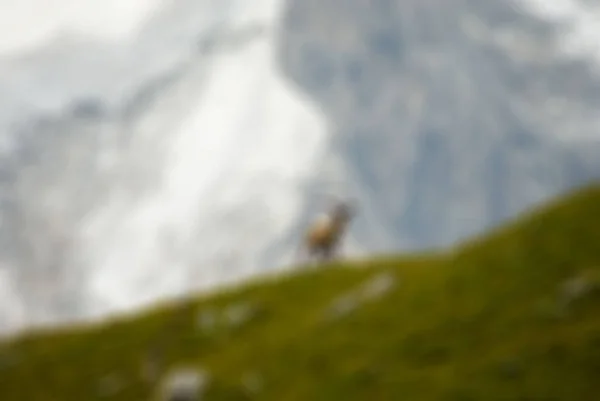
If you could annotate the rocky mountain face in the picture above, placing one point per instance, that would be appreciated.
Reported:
(450, 116)
(141, 169)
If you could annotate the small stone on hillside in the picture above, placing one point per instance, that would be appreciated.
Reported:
(578, 287)
(378, 286)
(207, 320)
(372, 289)
(575, 288)
(342, 306)
(184, 385)
(240, 314)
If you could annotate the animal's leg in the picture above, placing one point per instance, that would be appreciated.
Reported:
(321, 256)
(305, 254)
(308, 256)
(301, 254)
(318, 257)
(312, 257)
(330, 252)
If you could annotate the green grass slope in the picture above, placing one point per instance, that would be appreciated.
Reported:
(512, 316)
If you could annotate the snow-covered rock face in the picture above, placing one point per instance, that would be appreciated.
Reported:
(27, 24)
(174, 159)
(450, 116)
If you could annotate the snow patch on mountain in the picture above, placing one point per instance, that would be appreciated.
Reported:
(192, 154)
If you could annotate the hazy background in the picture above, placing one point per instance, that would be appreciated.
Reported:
(149, 148)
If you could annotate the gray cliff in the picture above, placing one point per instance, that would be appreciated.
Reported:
(452, 116)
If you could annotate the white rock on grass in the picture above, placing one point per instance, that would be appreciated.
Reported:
(233, 316)
(184, 384)
(378, 286)
(343, 305)
(578, 287)
(240, 314)
(575, 288)
(207, 320)
(371, 290)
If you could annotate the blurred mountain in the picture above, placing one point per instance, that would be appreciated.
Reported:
(193, 153)
(450, 116)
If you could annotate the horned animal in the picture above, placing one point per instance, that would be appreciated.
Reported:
(322, 239)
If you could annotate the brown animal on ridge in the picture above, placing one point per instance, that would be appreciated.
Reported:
(323, 237)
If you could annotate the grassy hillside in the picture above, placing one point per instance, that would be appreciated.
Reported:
(512, 316)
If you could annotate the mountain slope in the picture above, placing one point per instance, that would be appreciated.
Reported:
(513, 315)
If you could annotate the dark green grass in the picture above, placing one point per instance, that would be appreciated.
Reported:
(481, 323)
